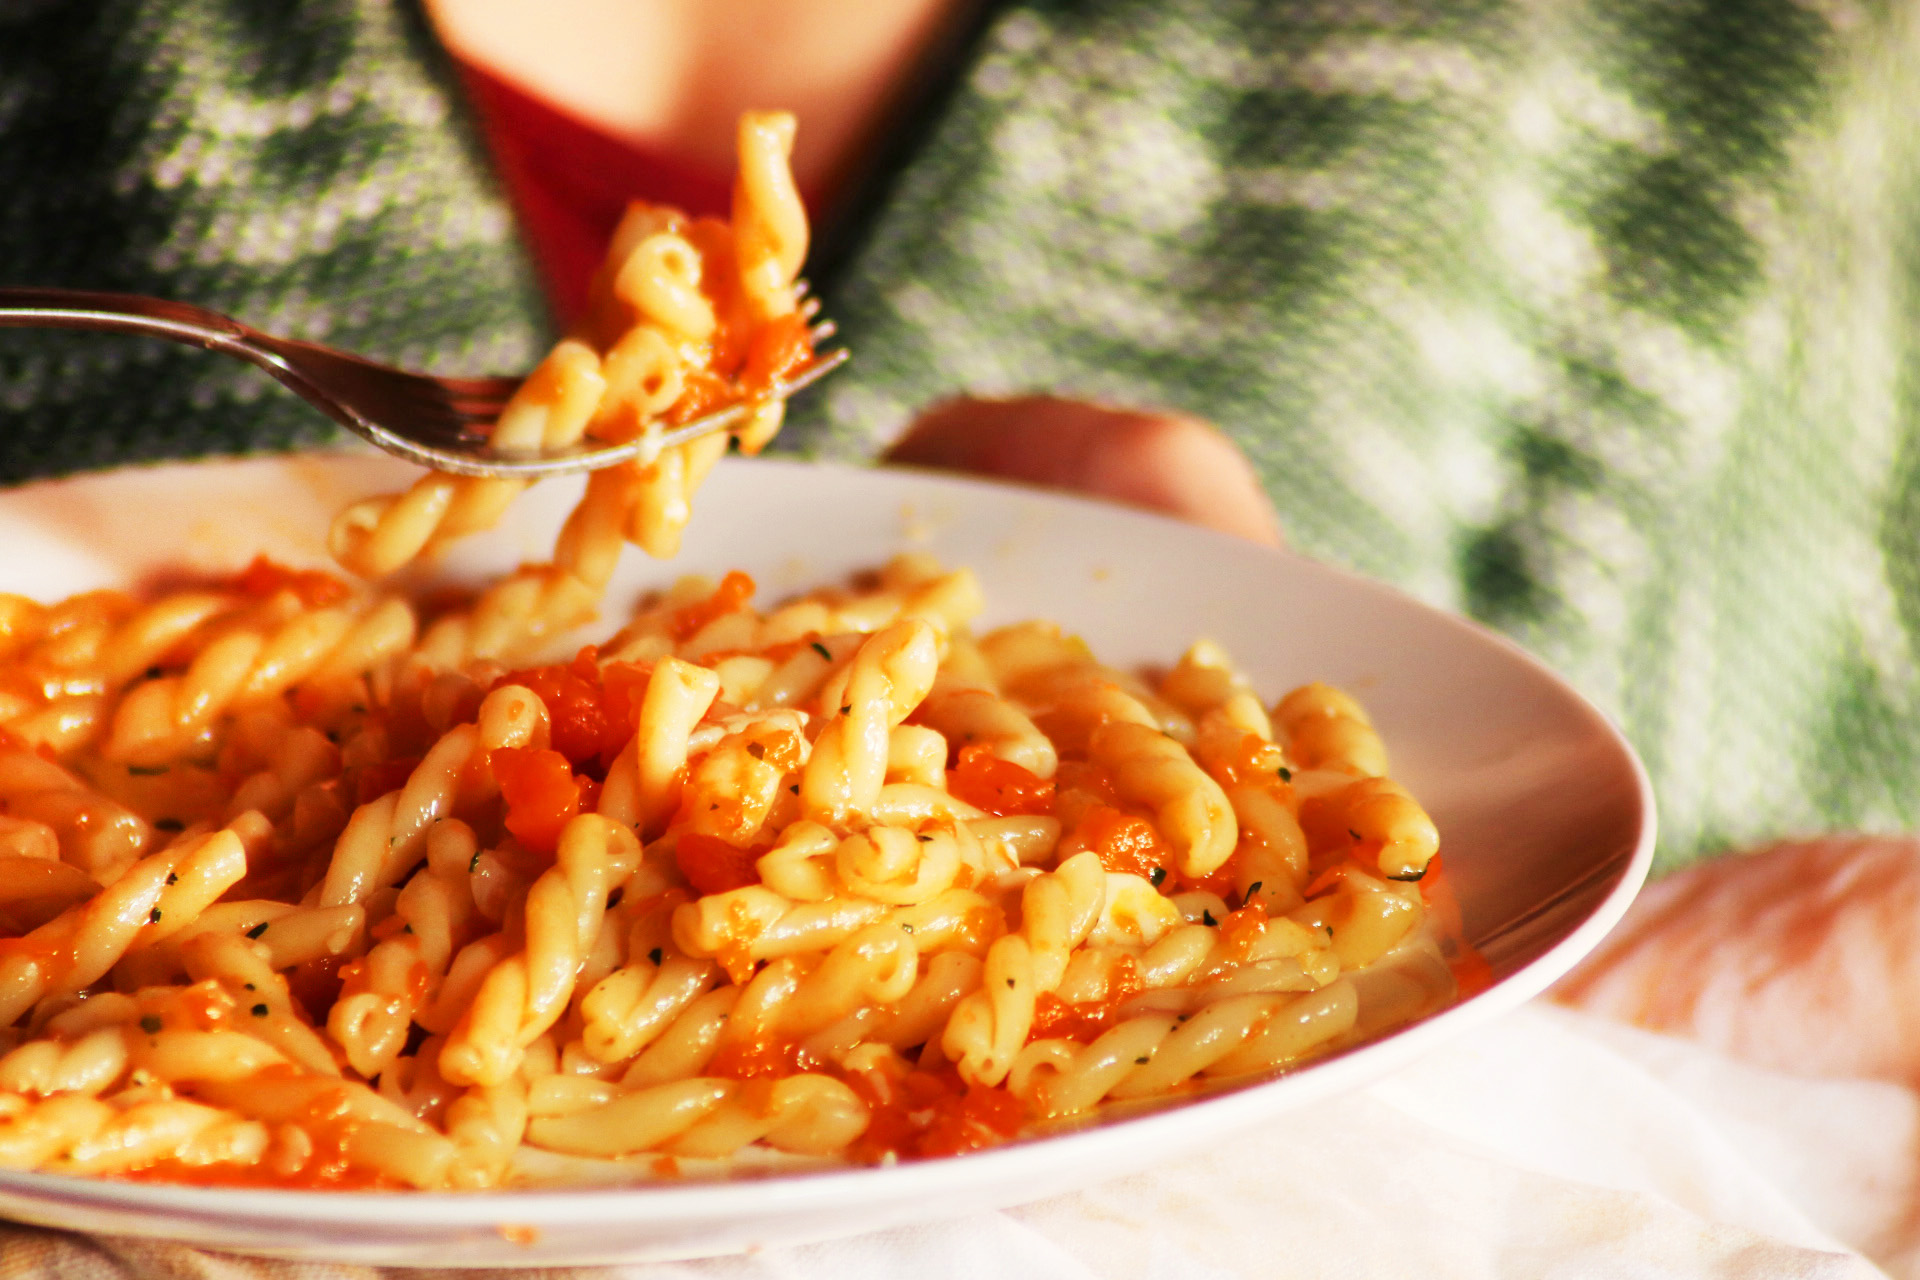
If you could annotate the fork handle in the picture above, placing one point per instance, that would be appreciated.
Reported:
(122, 313)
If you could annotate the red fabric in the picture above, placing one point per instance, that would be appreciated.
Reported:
(570, 182)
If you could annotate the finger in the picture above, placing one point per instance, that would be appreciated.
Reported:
(1166, 462)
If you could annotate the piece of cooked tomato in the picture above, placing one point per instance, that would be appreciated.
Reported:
(594, 711)
(711, 865)
(733, 592)
(315, 587)
(778, 348)
(1125, 843)
(541, 794)
(1000, 787)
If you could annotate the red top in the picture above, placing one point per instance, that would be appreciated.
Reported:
(570, 182)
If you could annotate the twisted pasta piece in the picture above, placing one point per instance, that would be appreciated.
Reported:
(92, 832)
(387, 836)
(69, 661)
(526, 994)
(77, 1134)
(384, 992)
(808, 1114)
(1058, 910)
(1190, 809)
(549, 410)
(158, 720)
(859, 707)
(1327, 729)
(1154, 1053)
(158, 896)
(1377, 816)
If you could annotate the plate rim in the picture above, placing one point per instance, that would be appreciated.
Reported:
(559, 1207)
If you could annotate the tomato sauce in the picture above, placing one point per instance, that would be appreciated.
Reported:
(1000, 787)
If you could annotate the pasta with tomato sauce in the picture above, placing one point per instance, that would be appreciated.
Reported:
(290, 900)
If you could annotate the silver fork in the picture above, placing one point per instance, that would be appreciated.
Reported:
(443, 423)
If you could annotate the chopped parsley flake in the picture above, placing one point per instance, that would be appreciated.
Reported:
(150, 1025)
(657, 955)
(153, 917)
(1206, 918)
(1159, 876)
(1286, 774)
(260, 1010)
(173, 878)
(257, 930)
(822, 651)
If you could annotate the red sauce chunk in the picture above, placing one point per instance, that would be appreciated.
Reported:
(1000, 787)
(933, 1113)
(711, 865)
(781, 346)
(541, 792)
(315, 588)
(733, 592)
(1124, 842)
(594, 710)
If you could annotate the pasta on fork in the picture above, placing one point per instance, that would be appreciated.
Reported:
(686, 315)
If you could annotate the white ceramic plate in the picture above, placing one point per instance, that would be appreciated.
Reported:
(1546, 817)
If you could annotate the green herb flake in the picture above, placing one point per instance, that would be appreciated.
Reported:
(1253, 889)
(260, 1010)
(257, 930)
(153, 916)
(1206, 918)
(1159, 876)
(473, 863)
(1141, 1062)
(795, 788)
(173, 878)
(822, 651)
(1286, 774)
(657, 955)
(150, 1025)
(905, 927)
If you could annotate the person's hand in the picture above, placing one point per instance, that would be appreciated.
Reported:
(1804, 957)
(1166, 462)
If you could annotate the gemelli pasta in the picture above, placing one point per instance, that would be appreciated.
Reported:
(292, 901)
(308, 884)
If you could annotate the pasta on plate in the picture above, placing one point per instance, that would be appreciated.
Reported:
(309, 884)
(291, 901)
